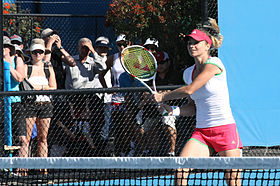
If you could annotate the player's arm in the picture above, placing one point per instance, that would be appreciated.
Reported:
(185, 110)
(188, 109)
(207, 73)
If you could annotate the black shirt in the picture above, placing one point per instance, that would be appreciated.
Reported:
(56, 62)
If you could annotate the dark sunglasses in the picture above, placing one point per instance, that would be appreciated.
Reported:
(35, 52)
(122, 44)
(151, 48)
(161, 62)
(7, 46)
(16, 42)
(193, 42)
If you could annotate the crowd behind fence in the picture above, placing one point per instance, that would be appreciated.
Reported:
(81, 128)
(81, 125)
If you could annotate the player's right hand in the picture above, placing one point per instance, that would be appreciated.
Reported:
(158, 97)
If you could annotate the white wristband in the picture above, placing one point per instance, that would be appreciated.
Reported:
(175, 111)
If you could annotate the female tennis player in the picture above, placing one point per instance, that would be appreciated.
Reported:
(207, 90)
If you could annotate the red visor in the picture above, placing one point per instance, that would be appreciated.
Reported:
(200, 36)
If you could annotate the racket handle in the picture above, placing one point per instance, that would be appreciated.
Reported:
(164, 113)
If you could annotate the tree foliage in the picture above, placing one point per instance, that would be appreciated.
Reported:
(162, 19)
(25, 26)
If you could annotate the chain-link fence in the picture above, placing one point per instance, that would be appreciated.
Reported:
(72, 19)
(87, 123)
(82, 122)
(89, 26)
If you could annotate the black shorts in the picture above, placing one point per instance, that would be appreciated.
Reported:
(39, 109)
(18, 119)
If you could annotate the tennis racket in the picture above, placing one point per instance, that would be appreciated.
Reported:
(140, 64)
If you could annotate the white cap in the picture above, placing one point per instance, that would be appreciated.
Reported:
(18, 48)
(7, 41)
(121, 37)
(16, 38)
(151, 41)
(47, 32)
(102, 41)
(37, 44)
(37, 47)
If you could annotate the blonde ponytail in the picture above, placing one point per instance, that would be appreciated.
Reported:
(212, 29)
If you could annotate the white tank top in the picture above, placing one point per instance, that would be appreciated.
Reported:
(117, 70)
(40, 80)
(212, 99)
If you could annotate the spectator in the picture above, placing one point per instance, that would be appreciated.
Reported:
(123, 145)
(17, 76)
(17, 41)
(165, 76)
(19, 52)
(113, 64)
(152, 45)
(82, 75)
(57, 55)
(41, 75)
(130, 133)
(85, 75)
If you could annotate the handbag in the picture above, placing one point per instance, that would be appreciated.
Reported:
(26, 85)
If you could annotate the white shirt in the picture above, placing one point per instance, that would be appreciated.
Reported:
(40, 80)
(84, 75)
(117, 69)
(212, 99)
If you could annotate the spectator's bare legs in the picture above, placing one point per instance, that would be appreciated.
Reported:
(23, 151)
(29, 127)
(42, 134)
(90, 140)
(43, 129)
(171, 134)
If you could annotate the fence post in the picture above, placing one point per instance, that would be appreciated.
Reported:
(7, 106)
(1, 51)
(204, 10)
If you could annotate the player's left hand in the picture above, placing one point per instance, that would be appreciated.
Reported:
(163, 108)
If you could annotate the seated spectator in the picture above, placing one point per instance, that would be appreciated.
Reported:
(129, 134)
(78, 131)
(152, 122)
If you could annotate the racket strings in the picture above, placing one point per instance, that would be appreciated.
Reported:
(139, 63)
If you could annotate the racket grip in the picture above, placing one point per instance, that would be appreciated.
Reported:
(165, 112)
